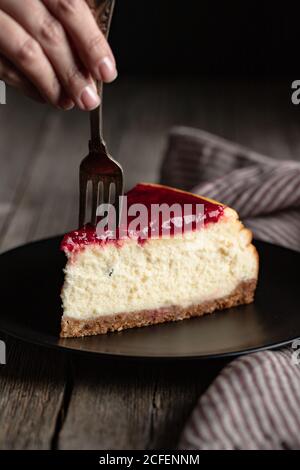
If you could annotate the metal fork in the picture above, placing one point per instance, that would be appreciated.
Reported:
(99, 168)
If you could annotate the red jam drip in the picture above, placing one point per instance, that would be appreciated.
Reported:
(146, 194)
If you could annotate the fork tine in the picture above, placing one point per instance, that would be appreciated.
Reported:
(106, 190)
(82, 199)
(95, 193)
(118, 193)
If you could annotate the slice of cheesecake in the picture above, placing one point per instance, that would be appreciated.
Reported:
(174, 266)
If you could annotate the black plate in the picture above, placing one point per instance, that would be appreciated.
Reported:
(31, 279)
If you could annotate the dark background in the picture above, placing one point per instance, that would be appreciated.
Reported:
(232, 37)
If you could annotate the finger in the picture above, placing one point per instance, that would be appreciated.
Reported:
(92, 47)
(11, 76)
(27, 55)
(49, 33)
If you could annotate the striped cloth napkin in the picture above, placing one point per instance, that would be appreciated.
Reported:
(254, 403)
(265, 192)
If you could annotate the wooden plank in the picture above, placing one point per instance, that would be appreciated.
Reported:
(132, 405)
(178, 388)
(32, 392)
(21, 124)
(108, 408)
(43, 207)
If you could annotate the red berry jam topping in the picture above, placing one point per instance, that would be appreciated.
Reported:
(155, 220)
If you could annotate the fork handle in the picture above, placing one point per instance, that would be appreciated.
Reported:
(103, 11)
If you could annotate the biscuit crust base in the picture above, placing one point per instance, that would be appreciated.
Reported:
(72, 327)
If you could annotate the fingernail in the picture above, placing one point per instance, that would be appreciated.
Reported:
(67, 104)
(107, 70)
(90, 98)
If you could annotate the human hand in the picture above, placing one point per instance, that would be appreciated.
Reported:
(53, 50)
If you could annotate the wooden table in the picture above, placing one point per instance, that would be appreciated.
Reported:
(51, 400)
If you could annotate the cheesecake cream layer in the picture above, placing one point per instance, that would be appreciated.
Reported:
(199, 267)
